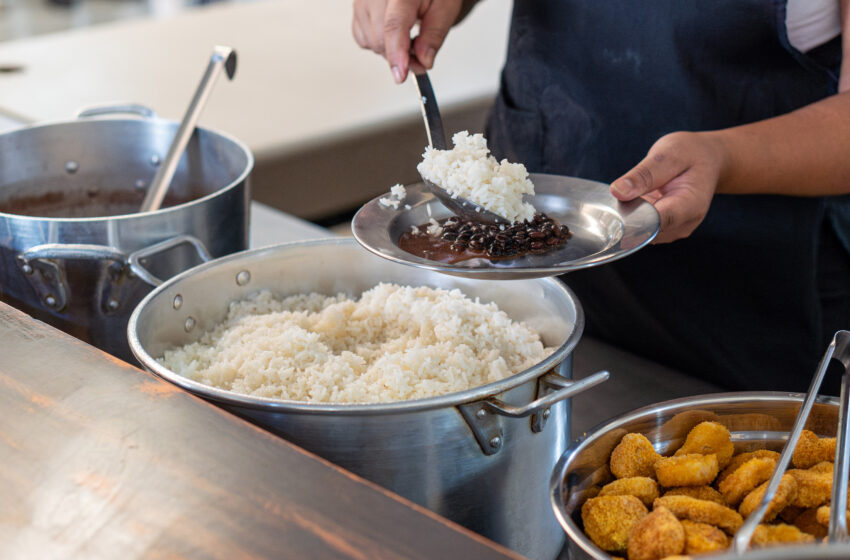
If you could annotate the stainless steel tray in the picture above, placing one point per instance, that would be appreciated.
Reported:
(604, 229)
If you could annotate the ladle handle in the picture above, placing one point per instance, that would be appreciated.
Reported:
(430, 110)
(223, 58)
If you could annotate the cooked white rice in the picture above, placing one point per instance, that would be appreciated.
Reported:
(397, 195)
(394, 343)
(469, 171)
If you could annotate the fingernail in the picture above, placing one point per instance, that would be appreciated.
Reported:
(430, 52)
(396, 74)
(623, 187)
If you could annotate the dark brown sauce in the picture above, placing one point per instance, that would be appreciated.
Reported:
(534, 237)
(81, 204)
(436, 249)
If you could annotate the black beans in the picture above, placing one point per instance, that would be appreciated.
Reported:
(538, 235)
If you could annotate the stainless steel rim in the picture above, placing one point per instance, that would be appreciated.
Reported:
(249, 166)
(373, 224)
(556, 483)
(279, 405)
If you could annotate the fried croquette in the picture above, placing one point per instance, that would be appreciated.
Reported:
(823, 467)
(656, 536)
(822, 516)
(633, 456)
(785, 494)
(686, 470)
(702, 537)
(742, 458)
(812, 450)
(702, 511)
(808, 522)
(708, 438)
(608, 519)
(745, 479)
(641, 487)
(769, 535)
(813, 488)
(698, 492)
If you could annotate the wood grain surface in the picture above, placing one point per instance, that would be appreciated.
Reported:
(101, 460)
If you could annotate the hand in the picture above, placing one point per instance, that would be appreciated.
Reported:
(383, 26)
(679, 177)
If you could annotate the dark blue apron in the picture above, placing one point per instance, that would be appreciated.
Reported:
(751, 299)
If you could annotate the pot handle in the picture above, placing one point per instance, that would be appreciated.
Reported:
(104, 252)
(120, 108)
(483, 416)
(135, 258)
(567, 388)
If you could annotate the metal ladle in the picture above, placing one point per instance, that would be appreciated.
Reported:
(461, 207)
(223, 58)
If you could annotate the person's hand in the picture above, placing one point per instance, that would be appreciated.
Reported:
(679, 177)
(383, 26)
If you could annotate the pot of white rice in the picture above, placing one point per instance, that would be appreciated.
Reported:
(453, 393)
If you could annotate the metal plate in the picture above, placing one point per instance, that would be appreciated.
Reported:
(604, 229)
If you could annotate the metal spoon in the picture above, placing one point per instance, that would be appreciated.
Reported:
(222, 58)
(465, 209)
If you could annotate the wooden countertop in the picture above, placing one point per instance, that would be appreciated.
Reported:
(101, 460)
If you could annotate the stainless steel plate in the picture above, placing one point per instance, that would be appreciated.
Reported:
(604, 229)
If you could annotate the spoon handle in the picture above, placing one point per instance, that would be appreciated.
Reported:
(223, 58)
(430, 111)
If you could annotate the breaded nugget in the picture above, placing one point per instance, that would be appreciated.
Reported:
(785, 494)
(702, 537)
(608, 519)
(822, 516)
(742, 458)
(813, 488)
(702, 511)
(633, 456)
(823, 467)
(656, 536)
(812, 450)
(686, 470)
(769, 535)
(641, 487)
(698, 492)
(708, 438)
(808, 522)
(745, 479)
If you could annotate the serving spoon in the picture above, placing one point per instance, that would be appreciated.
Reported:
(223, 58)
(461, 207)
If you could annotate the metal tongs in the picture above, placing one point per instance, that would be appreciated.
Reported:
(838, 349)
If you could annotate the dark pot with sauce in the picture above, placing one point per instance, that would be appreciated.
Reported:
(75, 252)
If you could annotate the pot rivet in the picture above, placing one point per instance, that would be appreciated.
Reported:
(155, 160)
(481, 413)
(178, 301)
(50, 300)
(140, 184)
(27, 269)
(546, 413)
(189, 324)
(495, 442)
(72, 167)
(112, 304)
(243, 277)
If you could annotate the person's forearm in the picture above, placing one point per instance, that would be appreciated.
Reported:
(803, 153)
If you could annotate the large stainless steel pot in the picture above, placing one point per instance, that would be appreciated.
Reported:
(85, 270)
(481, 457)
(757, 420)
